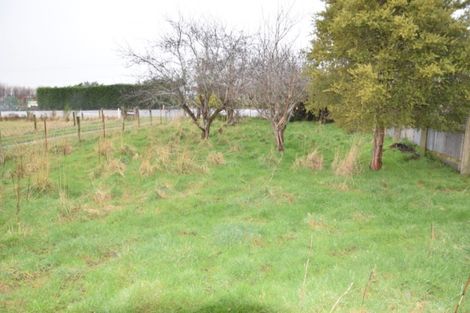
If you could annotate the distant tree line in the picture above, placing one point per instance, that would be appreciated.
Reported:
(15, 97)
(92, 96)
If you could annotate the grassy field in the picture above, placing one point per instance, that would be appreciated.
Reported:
(13, 132)
(158, 221)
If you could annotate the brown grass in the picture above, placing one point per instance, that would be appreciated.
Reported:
(115, 166)
(146, 168)
(185, 164)
(216, 158)
(37, 167)
(163, 155)
(129, 151)
(68, 208)
(313, 161)
(349, 164)
(105, 148)
(101, 196)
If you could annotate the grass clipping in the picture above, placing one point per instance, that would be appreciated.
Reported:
(349, 164)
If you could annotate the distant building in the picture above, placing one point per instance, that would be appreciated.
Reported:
(32, 103)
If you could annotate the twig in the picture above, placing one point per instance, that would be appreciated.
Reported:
(371, 276)
(464, 291)
(433, 233)
(305, 273)
(340, 297)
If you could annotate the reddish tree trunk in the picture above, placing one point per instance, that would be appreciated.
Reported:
(377, 149)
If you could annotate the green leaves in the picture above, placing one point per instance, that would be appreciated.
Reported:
(396, 63)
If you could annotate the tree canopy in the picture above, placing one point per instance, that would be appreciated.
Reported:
(379, 64)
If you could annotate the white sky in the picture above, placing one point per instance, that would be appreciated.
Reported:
(64, 42)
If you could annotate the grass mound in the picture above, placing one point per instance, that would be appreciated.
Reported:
(159, 221)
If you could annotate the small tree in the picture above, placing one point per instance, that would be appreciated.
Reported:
(381, 64)
(277, 83)
(201, 64)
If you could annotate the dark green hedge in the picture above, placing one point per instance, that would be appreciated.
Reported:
(86, 97)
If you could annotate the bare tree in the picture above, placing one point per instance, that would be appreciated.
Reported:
(201, 65)
(277, 82)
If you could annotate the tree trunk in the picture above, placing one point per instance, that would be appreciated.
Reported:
(377, 149)
(279, 136)
(231, 117)
(205, 132)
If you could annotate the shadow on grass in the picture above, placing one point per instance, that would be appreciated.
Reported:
(232, 308)
(222, 305)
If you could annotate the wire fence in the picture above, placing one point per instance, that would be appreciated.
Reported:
(18, 132)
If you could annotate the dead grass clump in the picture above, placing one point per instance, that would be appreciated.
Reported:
(313, 161)
(66, 148)
(315, 223)
(100, 197)
(38, 168)
(235, 148)
(348, 165)
(216, 158)
(115, 166)
(68, 208)
(105, 148)
(146, 168)
(273, 158)
(129, 151)
(185, 164)
(163, 154)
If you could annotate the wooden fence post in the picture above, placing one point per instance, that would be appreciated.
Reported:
(123, 118)
(150, 113)
(423, 140)
(35, 123)
(74, 116)
(103, 123)
(465, 161)
(78, 128)
(45, 134)
(137, 114)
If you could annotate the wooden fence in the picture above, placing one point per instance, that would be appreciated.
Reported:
(451, 148)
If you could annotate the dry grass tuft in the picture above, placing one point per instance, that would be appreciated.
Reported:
(115, 166)
(313, 161)
(64, 147)
(129, 151)
(235, 148)
(105, 148)
(146, 168)
(38, 168)
(315, 223)
(68, 208)
(185, 164)
(163, 154)
(349, 165)
(216, 158)
(100, 196)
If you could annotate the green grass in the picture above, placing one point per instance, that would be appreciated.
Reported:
(254, 234)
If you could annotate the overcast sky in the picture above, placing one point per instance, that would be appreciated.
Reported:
(64, 42)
